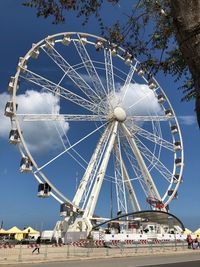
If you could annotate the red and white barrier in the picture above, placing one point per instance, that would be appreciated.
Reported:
(115, 242)
(143, 241)
(129, 242)
(5, 246)
(156, 241)
(99, 243)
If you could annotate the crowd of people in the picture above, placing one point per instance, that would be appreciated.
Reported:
(193, 243)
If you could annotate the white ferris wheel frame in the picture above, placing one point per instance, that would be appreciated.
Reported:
(134, 143)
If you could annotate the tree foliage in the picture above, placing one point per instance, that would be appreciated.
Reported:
(147, 32)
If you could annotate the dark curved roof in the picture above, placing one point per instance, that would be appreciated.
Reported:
(155, 216)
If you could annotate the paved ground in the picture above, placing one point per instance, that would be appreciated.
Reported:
(174, 260)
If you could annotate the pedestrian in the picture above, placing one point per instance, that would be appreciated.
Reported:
(195, 244)
(38, 241)
(198, 240)
(189, 241)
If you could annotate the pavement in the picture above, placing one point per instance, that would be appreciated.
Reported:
(49, 254)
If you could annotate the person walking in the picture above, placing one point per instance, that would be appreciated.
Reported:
(190, 241)
(198, 240)
(38, 241)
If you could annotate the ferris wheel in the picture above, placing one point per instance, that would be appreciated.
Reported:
(80, 104)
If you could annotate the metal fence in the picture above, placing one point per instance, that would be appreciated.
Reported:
(23, 253)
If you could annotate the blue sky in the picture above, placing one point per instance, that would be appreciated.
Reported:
(19, 204)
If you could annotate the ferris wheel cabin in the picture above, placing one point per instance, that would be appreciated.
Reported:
(174, 129)
(66, 210)
(9, 109)
(14, 137)
(99, 45)
(26, 165)
(66, 40)
(35, 53)
(177, 146)
(44, 190)
(128, 58)
(161, 99)
(178, 162)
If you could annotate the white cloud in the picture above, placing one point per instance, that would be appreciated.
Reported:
(39, 136)
(187, 120)
(138, 100)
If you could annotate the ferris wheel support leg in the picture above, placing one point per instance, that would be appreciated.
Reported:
(89, 210)
(146, 175)
(86, 177)
(120, 179)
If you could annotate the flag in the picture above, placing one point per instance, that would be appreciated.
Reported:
(1, 224)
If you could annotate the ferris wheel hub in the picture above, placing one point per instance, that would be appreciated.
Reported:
(119, 114)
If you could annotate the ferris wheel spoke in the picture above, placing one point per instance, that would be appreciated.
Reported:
(74, 76)
(146, 174)
(137, 130)
(109, 72)
(131, 192)
(69, 148)
(126, 179)
(148, 118)
(136, 169)
(133, 163)
(163, 170)
(128, 80)
(65, 147)
(95, 79)
(58, 90)
(61, 117)
(87, 180)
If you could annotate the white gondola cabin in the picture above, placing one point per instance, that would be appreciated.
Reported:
(26, 165)
(114, 49)
(176, 178)
(178, 162)
(35, 53)
(141, 72)
(171, 191)
(14, 137)
(9, 109)
(22, 64)
(152, 84)
(66, 210)
(11, 85)
(83, 39)
(177, 145)
(44, 190)
(128, 58)
(174, 129)
(161, 99)
(99, 45)
(169, 113)
(66, 40)
(50, 42)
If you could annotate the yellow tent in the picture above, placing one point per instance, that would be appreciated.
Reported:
(30, 230)
(16, 232)
(187, 231)
(197, 232)
(2, 231)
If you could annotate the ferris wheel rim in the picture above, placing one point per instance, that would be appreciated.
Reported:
(27, 56)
